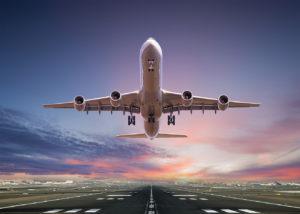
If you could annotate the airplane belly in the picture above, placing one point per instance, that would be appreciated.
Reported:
(151, 129)
(151, 94)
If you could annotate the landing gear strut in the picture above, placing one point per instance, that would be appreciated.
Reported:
(131, 120)
(151, 119)
(171, 119)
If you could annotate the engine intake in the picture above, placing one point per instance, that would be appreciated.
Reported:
(115, 99)
(187, 98)
(223, 102)
(79, 103)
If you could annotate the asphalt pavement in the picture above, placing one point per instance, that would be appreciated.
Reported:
(149, 200)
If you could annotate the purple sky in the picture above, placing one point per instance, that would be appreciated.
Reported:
(52, 51)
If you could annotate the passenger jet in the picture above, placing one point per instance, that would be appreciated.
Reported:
(151, 101)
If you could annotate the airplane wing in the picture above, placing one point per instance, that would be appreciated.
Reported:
(128, 103)
(174, 102)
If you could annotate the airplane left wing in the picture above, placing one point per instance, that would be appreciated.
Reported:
(127, 102)
(185, 101)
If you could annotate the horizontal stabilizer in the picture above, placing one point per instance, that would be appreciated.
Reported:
(160, 135)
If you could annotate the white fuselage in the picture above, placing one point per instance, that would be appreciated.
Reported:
(150, 94)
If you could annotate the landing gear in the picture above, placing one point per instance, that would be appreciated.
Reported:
(131, 120)
(151, 119)
(171, 119)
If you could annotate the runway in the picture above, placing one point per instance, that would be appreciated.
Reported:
(146, 200)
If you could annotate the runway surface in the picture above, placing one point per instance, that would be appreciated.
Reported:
(143, 200)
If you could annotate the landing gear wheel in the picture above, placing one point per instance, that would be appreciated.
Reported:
(131, 120)
(171, 119)
(151, 119)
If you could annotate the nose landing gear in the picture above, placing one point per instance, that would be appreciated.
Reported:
(171, 119)
(151, 118)
(131, 120)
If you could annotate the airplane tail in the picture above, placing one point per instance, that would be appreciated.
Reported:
(160, 135)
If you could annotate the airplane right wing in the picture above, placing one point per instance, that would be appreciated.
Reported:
(127, 102)
(177, 102)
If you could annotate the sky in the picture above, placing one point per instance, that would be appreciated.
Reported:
(51, 51)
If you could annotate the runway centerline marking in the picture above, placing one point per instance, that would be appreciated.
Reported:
(229, 211)
(251, 200)
(100, 199)
(46, 201)
(248, 211)
(182, 199)
(193, 199)
(203, 199)
(73, 211)
(210, 211)
(54, 211)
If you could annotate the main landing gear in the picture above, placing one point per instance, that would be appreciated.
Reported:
(171, 119)
(131, 120)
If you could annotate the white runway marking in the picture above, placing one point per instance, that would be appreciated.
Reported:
(92, 211)
(256, 201)
(110, 199)
(248, 211)
(193, 199)
(203, 199)
(120, 199)
(118, 195)
(53, 211)
(182, 198)
(184, 195)
(210, 211)
(100, 199)
(229, 211)
(73, 211)
(46, 201)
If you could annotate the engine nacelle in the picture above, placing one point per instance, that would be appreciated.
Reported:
(79, 103)
(223, 102)
(115, 99)
(187, 98)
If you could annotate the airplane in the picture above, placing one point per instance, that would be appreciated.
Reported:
(151, 101)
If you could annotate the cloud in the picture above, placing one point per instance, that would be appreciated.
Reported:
(280, 135)
(288, 171)
(36, 147)
(30, 145)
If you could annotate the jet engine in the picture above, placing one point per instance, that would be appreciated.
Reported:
(223, 102)
(115, 99)
(187, 98)
(79, 103)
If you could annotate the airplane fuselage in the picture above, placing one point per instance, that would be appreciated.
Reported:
(151, 92)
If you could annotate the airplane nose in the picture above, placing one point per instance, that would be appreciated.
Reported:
(152, 44)
(151, 41)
